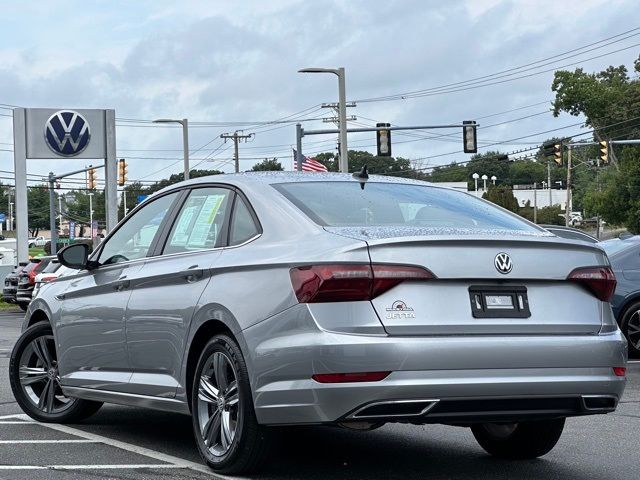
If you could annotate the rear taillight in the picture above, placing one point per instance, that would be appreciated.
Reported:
(619, 371)
(600, 280)
(350, 282)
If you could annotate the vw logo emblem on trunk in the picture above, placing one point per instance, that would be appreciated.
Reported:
(503, 263)
(67, 133)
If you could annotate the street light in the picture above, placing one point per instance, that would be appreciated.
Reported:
(185, 140)
(475, 178)
(484, 180)
(342, 112)
(493, 179)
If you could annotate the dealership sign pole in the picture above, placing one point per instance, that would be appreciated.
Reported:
(57, 134)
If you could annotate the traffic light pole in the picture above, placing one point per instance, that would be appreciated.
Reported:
(301, 132)
(52, 203)
(567, 211)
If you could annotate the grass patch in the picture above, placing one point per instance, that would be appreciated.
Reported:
(36, 252)
(8, 306)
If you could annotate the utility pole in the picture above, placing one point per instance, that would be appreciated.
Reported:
(52, 214)
(91, 213)
(236, 137)
(567, 211)
(549, 182)
(535, 202)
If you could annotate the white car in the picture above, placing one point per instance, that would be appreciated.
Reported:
(37, 242)
(51, 272)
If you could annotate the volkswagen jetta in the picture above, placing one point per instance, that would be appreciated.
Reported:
(257, 300)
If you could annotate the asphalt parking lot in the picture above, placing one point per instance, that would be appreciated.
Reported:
(129, 443)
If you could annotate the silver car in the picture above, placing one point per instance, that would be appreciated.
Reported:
(257, 300)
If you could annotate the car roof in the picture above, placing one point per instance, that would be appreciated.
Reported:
(247, 179)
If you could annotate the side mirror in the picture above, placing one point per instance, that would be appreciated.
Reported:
(74, 256)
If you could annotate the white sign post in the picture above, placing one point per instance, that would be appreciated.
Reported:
(56, 134)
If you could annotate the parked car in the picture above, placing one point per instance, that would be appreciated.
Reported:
(570, 233)
(11, 284)
(256, 300)
(624, 255)
(48, 274)
(27, 280)
(37, 242)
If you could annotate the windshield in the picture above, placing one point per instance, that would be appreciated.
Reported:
(394, 204)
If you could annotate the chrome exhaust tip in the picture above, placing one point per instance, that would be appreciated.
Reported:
(395, 408)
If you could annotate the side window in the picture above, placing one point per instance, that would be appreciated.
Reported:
(133, 239)
(242, 225)
(200, 222)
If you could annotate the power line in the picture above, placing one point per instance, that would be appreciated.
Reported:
(516, 70)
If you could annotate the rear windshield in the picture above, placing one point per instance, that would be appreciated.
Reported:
(616, 245)
(339, 204)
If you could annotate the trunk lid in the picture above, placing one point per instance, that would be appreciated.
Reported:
(464, 262)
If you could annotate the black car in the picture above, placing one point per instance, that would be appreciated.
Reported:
(27, 280)
(11, 284)
(624, 255)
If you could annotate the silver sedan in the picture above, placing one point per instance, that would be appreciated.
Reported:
(257, 300)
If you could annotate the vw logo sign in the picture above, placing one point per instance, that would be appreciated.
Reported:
(503, 263)
(67, 133)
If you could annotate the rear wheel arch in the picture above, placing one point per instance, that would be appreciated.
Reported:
(199, 340)
(628, 303)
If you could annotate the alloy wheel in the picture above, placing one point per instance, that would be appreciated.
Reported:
(39, 376)
(218, 404)
(633, 329)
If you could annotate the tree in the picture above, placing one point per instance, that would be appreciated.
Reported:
(449, 173)
(526, 172)
(610, 101)
(502, 195)
(179, 177)
(38, 200)
(77, 208)
(268, 165)
(489, 164)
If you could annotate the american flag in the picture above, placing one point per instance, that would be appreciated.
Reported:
(310, 164)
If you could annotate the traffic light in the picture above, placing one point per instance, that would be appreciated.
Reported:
(548, 149)
(91, 180)
(383, 140)
(469, 137)
(122, 172)
(557, 153)
(603, 151)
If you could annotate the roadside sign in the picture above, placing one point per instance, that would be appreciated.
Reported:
(142, 198)
(94, 229)
(72, 230)
(3, 217)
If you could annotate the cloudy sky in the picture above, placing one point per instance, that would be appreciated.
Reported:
(232, 64)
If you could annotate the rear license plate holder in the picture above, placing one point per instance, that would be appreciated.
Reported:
(497, 301)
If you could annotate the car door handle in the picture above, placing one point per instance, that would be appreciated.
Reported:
(120, 286)
(192, 274)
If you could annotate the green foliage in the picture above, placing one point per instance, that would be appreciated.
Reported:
(610, 101)
(502, 195)
(449, 173)
(375, 164)
(526, 173)
(38, 199)
(618, 198)
(546, 215)
(268, 165)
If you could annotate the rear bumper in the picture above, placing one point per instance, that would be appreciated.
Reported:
(440, 369)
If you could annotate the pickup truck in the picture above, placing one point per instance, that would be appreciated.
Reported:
(37, 242)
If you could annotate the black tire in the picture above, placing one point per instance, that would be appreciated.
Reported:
(23, 306)
(519, 441)
(630, 326)
(24, 356)
(249, 446)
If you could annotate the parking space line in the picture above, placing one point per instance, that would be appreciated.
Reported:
(14, 422)
(2, 442)
(88, 467)
(161, 457)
